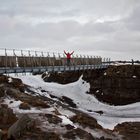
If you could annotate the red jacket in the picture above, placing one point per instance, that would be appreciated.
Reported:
(68, 54)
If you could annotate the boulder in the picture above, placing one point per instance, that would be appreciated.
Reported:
(12, 92)
(85, 121)
(129, 130)
(39, 103)
(2, 91)
(7, 117)
(17, 83)
(35, 102)
(3, 79)
(22, 125)
(24, 106)
(68, 101)
(53, 118)
(78, 133)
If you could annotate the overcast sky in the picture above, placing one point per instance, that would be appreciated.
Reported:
(108, 28)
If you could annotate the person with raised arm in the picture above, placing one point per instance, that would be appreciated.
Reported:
(68, 55)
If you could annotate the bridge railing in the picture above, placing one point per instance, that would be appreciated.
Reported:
(28, 58)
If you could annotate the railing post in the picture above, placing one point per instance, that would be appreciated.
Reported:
(63, 62)
(53, 61)
(23, 61)
(59, 62)
(106, 62)
(84, 61)
(13, 61)
(74, 67)
(86, 58)
(48, 56)
(42, 59)
(59, 58)
(30, 59)
(77, 60)
(15, 58)
(35, 54)
(42, 54)
(103, 62)
(100, 62)
(109, 61)
(94, 61)
(5, 61)
(87, 61)
(71, 62)
(36, 59)
(90, 62)
(14, 52)
(81, 62)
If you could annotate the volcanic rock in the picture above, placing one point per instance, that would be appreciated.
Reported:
(20, 126)
(85, 121)
(53, 118)
(129, 130)
(7, 117)
(24, 106)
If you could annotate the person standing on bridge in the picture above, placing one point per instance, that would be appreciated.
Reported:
(68, 57)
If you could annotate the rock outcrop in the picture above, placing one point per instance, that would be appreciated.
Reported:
(117, 85)
(62, 78)
(129, 130)
(7, 117)
(20, 126)
(86, 121)
(24, 106)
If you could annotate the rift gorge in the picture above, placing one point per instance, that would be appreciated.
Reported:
(84, 104)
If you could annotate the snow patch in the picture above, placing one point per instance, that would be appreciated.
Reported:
(10, 80)
(134, 76)
(97, 91)
(112, 115)
(105, 73)
(13, 104)
(66, 121)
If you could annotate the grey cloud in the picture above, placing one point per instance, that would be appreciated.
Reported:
(63, 24)
(133, 21)
(95, 8)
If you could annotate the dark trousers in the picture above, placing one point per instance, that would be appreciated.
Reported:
(68, 62)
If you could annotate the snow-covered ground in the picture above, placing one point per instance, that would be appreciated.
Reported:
(77, 92)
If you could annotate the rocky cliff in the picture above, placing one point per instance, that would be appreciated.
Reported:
(26, 114)
(117, 85)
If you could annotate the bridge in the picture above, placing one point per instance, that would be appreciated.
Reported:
(27, 61)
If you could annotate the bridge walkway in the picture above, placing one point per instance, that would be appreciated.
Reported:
(23, 61)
